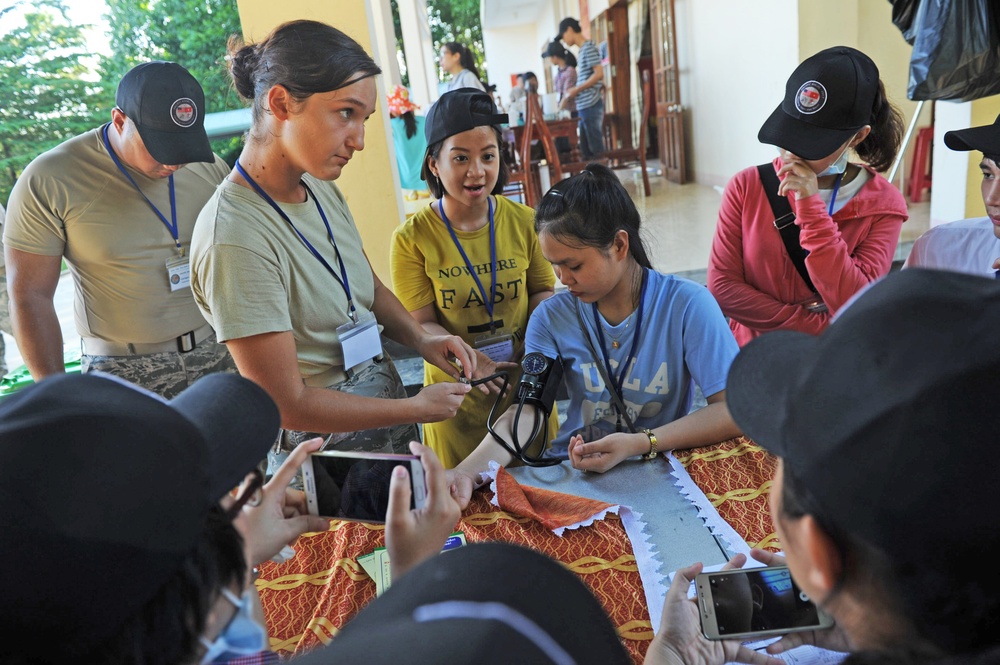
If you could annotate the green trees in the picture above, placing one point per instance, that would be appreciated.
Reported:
(458, 21)
(451, 21)
(192, 33)
(53, 89)
(43, 84)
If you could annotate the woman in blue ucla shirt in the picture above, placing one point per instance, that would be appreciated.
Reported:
(653, 335)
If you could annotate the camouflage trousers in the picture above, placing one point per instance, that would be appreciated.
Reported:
(380, 380)
(166, 374)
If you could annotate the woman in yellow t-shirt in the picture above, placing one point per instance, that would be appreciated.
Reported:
(469, 264)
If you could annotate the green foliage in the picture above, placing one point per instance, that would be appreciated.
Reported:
(458, 21)
(193, 33)
(46, 98)
(451, 21)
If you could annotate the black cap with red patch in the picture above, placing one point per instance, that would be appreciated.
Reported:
(167, 106)
(828, 98)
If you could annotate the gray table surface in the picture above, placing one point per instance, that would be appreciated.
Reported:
(678, 534)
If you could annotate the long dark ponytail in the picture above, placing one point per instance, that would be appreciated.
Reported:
(881, 145)
(465, 58)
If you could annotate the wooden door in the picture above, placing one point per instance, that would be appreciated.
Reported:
(669, 112)
(611, 28)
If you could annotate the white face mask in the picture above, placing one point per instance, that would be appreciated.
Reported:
(837, 167)
(242, 636)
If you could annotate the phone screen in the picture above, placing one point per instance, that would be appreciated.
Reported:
(759, 600)
(356, 487)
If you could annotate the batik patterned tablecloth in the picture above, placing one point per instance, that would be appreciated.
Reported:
(734, 478)
(310, 597)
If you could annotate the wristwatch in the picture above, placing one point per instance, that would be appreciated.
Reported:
(652, 445)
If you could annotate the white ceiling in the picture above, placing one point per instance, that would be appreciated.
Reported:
(507, 13)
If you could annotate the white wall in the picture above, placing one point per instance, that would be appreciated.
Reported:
(515, 49)
(950, 168)
(733, 74)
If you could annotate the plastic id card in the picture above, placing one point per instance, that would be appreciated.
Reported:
(179, 273)
(497, 347)
(359, 341)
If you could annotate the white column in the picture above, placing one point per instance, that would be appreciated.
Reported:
(384, 48)
(419, 48)
(951, 167)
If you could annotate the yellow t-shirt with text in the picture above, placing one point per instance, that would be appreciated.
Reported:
(428, 268)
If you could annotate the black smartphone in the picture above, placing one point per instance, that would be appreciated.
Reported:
(755, 603)
(355, 485)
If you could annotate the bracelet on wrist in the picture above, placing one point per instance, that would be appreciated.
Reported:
(652, 445)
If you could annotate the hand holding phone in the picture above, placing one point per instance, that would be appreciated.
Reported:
(351, 485)
(413, 535)
(680, 638)
(754, 603)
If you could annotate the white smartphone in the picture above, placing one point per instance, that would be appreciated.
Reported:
(355, 485)
(755, 602)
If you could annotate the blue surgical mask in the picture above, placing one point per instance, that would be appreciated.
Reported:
(837, 167)
(242, 636)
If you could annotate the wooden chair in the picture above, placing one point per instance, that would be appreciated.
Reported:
(623, 158)
(534, 124)
(522, 177)
(524, 174)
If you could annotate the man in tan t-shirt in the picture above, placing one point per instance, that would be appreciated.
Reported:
(119, 204)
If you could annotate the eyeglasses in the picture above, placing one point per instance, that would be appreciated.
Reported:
(249, 493)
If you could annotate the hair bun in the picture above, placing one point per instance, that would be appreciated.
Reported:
(243, 61)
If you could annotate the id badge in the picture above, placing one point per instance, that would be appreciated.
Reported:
(498, 347)
(359, 341)
(179, 273)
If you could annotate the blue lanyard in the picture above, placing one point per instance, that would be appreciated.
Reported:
(172, 224)
(619, 379)
(836, 188)
(342, 278)
(487, 302)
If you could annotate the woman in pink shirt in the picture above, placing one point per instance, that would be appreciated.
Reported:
(847, 217)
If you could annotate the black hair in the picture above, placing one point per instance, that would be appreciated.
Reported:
(465, 57)
(879, 148)
(949, 610)
(168, 627)
(410, 123)
(589, 209)
(306, 57)
(479, 105)
(568, 56)
(569, 23)
(530, 75)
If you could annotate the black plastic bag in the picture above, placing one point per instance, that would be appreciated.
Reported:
(956, 53)
(903, 12)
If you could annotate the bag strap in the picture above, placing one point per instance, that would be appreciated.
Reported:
(784, 221)
(616, 398)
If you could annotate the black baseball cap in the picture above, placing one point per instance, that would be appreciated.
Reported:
(105, 488)
(985, 139)
(889, 417)
(828, 98)
(453, 114)
(526, 609)
(167, 106)
(567, 23)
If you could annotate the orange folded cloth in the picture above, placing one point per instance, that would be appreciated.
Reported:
(554, 510)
